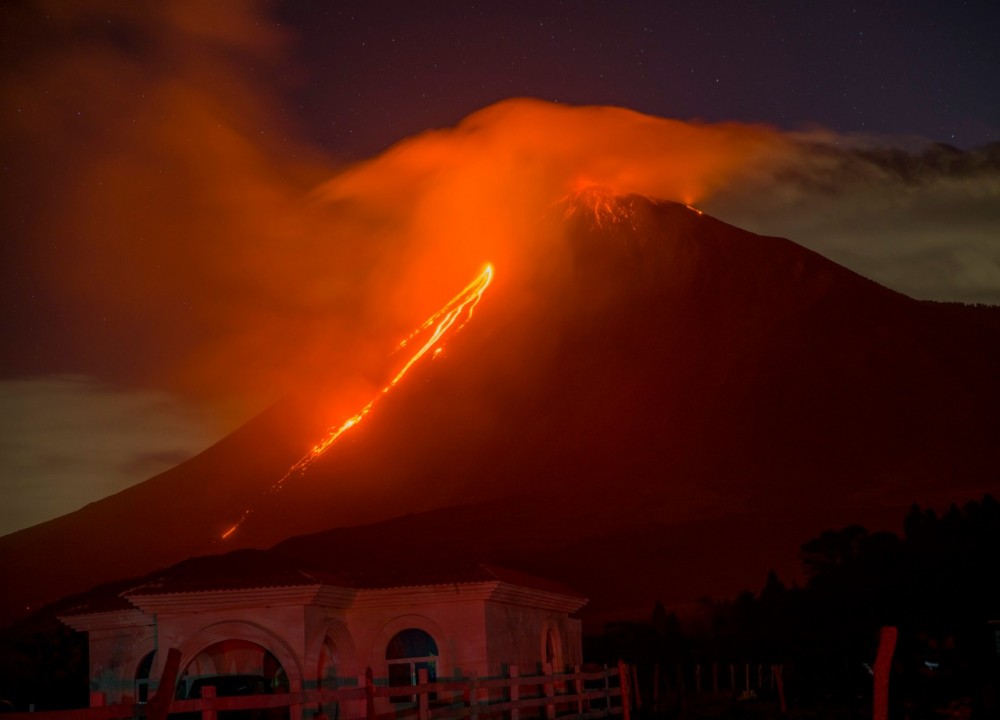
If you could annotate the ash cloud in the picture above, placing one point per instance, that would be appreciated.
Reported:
(158, 225)
(449, 200)
(179, 235)
(166, 227)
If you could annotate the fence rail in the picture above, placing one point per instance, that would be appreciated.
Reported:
(577, 695)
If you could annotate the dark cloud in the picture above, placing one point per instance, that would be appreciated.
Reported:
(922, 221)
(163, 227)
(67, 441)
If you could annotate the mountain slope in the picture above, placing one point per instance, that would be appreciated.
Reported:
(660, 379)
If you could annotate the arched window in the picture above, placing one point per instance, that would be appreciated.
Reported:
(142, 678)
(409, 652)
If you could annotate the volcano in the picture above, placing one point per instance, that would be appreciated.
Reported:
(661, 407)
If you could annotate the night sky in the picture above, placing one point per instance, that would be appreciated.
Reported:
(375, 74)
(192, 219)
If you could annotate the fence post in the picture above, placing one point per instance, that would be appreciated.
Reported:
(515, 692)
(423, 698)
(208, 703)
(159, 704)
(883, 664)
(548, 687)
(473, 695)
(580, 688)
(623, 685)
(295, 709)
(369, 695)
(776, 674)
(607, 689)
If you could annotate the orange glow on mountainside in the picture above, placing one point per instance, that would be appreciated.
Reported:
(600, 203)
(447, 321)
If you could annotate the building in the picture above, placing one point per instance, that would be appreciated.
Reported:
(290, 629)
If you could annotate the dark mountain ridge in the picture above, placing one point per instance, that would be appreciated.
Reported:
(665, 406)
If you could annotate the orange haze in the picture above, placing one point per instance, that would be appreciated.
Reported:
(191, 244)
(448, 200)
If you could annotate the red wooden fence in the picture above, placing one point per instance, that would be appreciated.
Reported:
(576, 695)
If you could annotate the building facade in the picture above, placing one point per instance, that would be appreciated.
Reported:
(304, 630)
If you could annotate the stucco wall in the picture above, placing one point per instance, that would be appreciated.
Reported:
(280, 630)
(474, 636)
(115, 655)
(457, 627)
(517, 637)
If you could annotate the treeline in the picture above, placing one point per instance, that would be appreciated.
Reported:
(939, 584)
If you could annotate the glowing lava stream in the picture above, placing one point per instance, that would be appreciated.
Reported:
(455, 314)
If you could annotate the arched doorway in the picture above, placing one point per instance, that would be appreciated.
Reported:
(233, 667)
(408, 652)
(142, 671)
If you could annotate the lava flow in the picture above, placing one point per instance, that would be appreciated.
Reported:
(448, 320)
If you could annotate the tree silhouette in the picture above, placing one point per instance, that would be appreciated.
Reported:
(939, 584)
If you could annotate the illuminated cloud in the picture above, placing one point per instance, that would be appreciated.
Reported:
(182, 238)
(190, 242)
(923, 221)
(447, 200)
(67, 441)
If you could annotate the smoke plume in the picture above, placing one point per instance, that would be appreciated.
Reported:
(169, 228)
